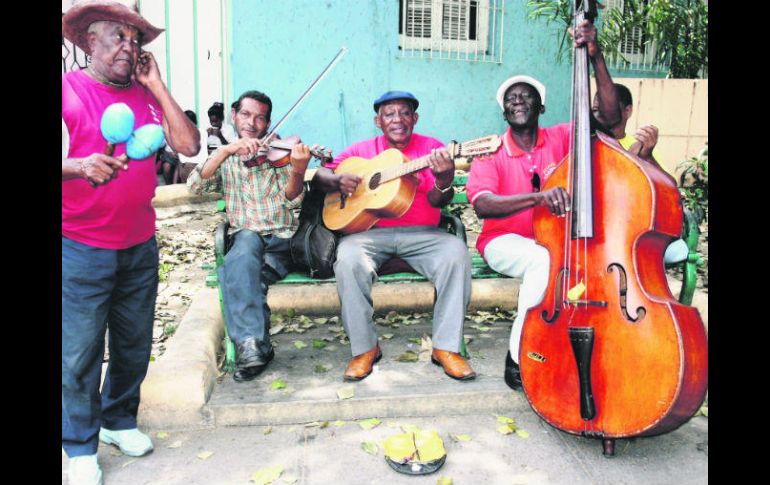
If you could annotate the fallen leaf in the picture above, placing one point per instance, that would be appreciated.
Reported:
(339, 423)
(321, 368)
(291, 312)
(370, 447)
(522, 433)
(704, 411)
(289, 479)
(415, 340)
(204, 454)
(267, 430)
(369, 423)
(330, 348)
(408, 356)
(266, 475)
(505, 419)
(278, 384)
(506, 429)
(461, 437)
(162, 435)
(346, 392)
(410, 428)
(276, 329)
(319, 424)
(300, 344)
(175, 444)
(426, 343)
(320, 321)
(318, 344)
(444, 481)
(387, 336)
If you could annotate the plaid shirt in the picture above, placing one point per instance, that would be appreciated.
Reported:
(254, 197)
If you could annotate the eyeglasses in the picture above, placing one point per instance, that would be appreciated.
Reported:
(535, 182)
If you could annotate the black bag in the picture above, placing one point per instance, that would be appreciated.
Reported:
(314, 247)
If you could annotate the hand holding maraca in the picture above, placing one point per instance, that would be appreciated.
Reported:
(117, 126)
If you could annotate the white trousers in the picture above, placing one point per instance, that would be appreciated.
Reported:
(520, 257)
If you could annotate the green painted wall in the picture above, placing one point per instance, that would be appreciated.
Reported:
(279, 47)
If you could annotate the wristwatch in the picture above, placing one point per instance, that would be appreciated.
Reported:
(443, 191)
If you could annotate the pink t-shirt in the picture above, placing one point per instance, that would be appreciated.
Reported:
(509, 171)
(119, 214)
(421, 213)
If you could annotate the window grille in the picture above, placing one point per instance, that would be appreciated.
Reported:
(72, 57)
(635, 52)
(466, 30)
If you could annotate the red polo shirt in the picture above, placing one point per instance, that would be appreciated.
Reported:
(509, 171)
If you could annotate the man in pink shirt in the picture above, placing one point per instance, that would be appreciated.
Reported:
(505, 186)
(413, 237)
(109, 252)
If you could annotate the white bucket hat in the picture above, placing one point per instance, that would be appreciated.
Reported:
(520, 79)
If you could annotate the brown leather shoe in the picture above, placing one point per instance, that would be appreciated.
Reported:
(454, 364)
(361, 365)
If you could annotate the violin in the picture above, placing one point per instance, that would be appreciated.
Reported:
(609, 352)
(277, 152)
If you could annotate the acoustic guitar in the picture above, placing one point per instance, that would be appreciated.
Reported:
(384, 190)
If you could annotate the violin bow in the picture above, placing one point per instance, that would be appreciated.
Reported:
(340, 54)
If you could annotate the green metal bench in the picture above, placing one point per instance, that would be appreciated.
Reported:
(453, 224)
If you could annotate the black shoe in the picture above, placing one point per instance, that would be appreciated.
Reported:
(511, 375)
(250, 362)
(248, 353)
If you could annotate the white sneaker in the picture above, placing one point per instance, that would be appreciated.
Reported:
(131, 442)
(84, 470)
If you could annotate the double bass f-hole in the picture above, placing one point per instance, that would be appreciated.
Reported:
(558, 297)
(623, 294)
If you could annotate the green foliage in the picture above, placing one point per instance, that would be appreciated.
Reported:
(163, 270)
(678, 28)
(694, 184)
(555, 11)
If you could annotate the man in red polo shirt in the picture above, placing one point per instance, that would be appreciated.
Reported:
(505, 186)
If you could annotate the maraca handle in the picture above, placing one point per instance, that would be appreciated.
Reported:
(110, 149)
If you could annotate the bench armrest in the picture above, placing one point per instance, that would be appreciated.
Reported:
(221, 242)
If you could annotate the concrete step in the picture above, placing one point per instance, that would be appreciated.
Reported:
(313, 376)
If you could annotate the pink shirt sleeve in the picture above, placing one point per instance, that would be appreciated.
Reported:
(483, 178)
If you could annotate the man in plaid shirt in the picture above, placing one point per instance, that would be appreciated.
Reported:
(259, 200)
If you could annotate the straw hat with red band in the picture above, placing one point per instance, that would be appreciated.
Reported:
(75, 23)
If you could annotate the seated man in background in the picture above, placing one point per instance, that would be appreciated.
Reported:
(642, 144)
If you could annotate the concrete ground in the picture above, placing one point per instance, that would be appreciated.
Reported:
(300, 415)
(334, 455)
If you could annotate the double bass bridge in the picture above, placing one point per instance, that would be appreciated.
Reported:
(585, 303)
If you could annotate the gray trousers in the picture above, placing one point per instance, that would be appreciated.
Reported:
(437, 255)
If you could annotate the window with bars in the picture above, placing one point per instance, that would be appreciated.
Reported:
(453, 29)
(632, 46)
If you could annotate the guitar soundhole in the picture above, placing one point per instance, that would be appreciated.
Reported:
(374, 182)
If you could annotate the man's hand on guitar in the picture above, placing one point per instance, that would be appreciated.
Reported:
(348, 183)
(442, 166)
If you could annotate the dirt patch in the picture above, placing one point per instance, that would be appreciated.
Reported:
(185, 236)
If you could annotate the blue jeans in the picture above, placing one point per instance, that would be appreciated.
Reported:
(253, 263)
(104, 289)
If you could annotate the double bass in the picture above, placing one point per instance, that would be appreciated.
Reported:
(609, 352)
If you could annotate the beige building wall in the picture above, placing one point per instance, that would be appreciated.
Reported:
(678, 107)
